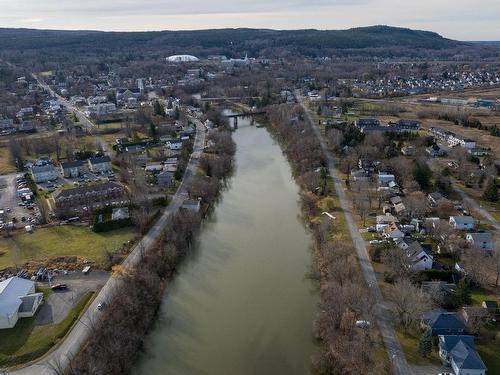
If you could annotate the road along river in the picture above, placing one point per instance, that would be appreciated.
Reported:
(242, 304)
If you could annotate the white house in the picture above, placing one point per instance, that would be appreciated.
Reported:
(175, 145)
(421, 257)
(44, 173)
(100, 164)
(462, 222)
(18, 299)
(482, 240)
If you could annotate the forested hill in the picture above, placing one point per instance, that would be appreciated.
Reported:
(229, 41)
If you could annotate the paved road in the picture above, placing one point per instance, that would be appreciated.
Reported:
(84, 327)
(382, 314)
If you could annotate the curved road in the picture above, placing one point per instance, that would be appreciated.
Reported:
(83, 328)
(382, 313)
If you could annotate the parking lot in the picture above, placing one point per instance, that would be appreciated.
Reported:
(13, 207)
(60, 302)
(86, 178)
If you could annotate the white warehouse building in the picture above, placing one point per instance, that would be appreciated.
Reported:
(18, 299)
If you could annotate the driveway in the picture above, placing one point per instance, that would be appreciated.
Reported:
(60, 302)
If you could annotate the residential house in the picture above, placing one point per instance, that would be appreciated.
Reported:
(86, 198)
(434, 198)
(407, 126)
(408, 150)
(166, 179)
(482, 240)
(44, 173)
(120, 213)
(462, 222)
(392, 232)
(478, 151)
(364, 122)
(435, 151)
(385, 179)
(154, 167)
(421, 256)
(442, 322)
(100, 164)
(72, 169)
(18, 299)
(491, 306)
(459, 352)
(383, 221)
(175, 144)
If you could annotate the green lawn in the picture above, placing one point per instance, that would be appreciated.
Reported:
(409, 341)
(64, 240)
(479, 295)
(26, 342)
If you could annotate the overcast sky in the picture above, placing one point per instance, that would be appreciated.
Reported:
(456, 19)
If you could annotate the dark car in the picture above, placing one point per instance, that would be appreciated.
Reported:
(59, 287)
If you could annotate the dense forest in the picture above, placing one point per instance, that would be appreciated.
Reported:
(365, 41)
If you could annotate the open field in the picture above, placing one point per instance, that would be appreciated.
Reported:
(61, 241)
(5, 162)
(26, 341)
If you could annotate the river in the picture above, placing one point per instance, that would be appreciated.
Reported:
(242, 304)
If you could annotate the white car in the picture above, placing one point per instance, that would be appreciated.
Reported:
(363, 324)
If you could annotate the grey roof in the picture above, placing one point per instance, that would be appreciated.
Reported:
(439, 319)
(448, 342)
(466, 357)
(29, 301)
(100, 159)
(481, 237)
(87, 189)
(72, 164)
(463, 219)
(42, 168)
(10, 292)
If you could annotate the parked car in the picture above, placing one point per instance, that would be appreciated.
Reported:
(363, 324)
(371, 229)
(59, 287)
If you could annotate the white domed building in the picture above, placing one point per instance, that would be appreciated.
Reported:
(182, 58)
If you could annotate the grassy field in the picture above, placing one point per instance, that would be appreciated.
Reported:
(26, 342)
(5, 162)
(61, 241)
(490, 352)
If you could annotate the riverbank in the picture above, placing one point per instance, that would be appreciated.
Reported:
(117, 340)
(344, 294)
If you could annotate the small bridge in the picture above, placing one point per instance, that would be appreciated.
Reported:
(236, 116)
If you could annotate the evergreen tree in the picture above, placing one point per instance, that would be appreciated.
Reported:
(422, 174)
(425, 344)
(152, 131)
(158, 109)
(462, 293)
(491, 191)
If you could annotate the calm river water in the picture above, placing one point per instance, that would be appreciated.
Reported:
(241, 304)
